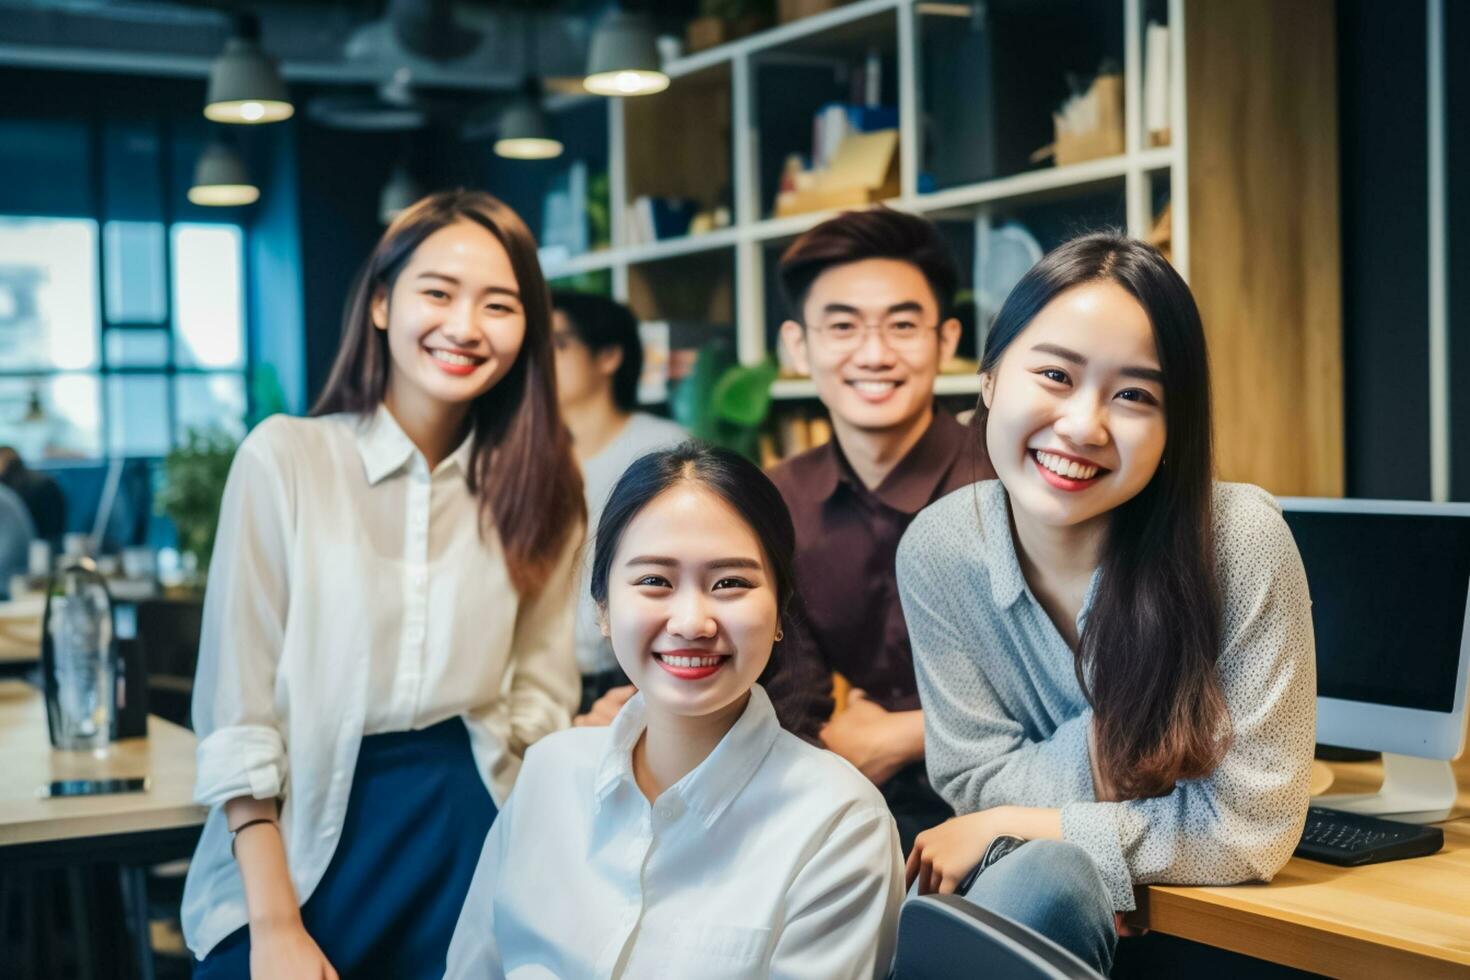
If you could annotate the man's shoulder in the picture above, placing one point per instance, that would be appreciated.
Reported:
(968, 461)
(795, 475)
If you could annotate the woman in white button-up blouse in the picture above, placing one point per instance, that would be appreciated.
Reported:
(694, 837)
(388, 622)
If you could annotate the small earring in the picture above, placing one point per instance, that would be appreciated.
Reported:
(780, 636)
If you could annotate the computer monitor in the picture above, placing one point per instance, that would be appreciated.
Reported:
(1390, 586)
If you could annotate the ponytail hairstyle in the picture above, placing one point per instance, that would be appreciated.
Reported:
(1151, 641)
(522, 468)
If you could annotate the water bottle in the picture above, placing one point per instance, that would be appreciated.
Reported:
(78, 662)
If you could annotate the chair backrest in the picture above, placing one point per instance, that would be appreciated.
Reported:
(942, 937)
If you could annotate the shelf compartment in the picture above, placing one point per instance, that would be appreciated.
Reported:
(991, 74)
(696, 166)
(792, 82)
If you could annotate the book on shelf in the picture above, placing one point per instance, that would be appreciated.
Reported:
(564, 230)
(797, 429)
(835, 121)
(653, 382)
(1156, 83)
(652, 219)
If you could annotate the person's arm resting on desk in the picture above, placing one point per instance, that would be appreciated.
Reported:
(1239, 824)
(1243, 821)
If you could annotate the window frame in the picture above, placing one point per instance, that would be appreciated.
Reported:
(105, 371)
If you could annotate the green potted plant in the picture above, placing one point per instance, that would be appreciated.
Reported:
(194, 475)
(723, 402)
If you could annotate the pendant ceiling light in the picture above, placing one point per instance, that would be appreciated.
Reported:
(623, 57)
(221, 180)
(523, 132)
(400, 193)
(244, 85)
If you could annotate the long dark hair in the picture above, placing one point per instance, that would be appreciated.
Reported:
(1149, 647)
(522, 468)
(731, 477)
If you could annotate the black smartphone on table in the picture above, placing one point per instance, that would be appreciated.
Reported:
(92, 787)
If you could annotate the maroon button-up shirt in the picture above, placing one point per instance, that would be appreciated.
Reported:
(846, 539)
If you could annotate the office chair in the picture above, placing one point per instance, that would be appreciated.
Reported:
(943, 937)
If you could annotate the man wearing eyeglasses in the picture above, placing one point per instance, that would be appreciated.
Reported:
(870, 294)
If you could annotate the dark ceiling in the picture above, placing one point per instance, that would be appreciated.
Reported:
(350, 42)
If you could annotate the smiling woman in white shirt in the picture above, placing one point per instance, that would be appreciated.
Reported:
(693, 837)
(388, 621)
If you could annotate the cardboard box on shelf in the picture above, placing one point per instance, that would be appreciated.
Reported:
(705, 32)
(864, 170)
(1105, 137)
(789, 10)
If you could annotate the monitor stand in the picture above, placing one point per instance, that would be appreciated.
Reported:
(1414, 790)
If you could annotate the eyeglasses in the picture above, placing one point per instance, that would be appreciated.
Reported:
(847, 334)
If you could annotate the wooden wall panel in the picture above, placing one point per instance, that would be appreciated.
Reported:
(1264, 236)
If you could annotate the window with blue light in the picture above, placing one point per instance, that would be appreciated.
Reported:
(122, 315)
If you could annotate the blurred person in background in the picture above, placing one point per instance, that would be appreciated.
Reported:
(599, 358)
(41, 494)
(16, 533)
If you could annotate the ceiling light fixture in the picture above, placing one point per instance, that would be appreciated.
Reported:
(523, 132)
(623, 57)
(221, 180)
(244, 86)
(400, 193)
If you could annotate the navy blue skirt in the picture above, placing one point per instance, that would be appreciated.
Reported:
(390, 898)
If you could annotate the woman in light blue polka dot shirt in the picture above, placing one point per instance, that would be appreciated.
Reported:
(1114, 652)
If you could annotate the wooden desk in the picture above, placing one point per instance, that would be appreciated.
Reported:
(20, 630)
(1398, 919)
(107, 828)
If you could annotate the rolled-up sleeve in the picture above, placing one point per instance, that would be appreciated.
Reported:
(241, 750)
(843, 905)
(545, 683)
(1242, 822)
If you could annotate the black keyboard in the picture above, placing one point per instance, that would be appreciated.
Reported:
(1349, 838)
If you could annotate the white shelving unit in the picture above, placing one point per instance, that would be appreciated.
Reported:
(1137, 168)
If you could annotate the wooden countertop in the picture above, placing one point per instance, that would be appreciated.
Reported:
(1397, 919)
(27, 762)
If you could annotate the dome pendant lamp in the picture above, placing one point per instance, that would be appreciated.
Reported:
(623, 57)
(221, 180)
(244, 86)
(524, 134)
(400, 193)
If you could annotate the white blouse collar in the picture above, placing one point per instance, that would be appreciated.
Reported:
(712, 785)
(385, 448)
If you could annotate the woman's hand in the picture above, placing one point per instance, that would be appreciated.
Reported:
(606, 708)
(943, 855)
(286, 951)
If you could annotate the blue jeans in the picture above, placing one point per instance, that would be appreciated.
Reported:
(1053, 887)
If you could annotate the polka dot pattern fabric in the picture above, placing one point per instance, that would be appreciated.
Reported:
(1006, 721)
